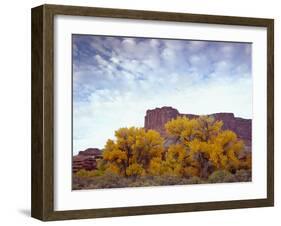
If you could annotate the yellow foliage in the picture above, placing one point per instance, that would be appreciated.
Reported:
(176, 159)
(201, 143)
(182, 128)
(191, 171)
(207, 128)
(201, 146)
(226, 150)
(177, 153)
(155, 167)
(113, 168)
(87, 173)
(135, 170)
(133, 150)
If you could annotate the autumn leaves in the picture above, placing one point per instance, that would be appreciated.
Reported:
(135, 152)
(199, 147)
(203, 147)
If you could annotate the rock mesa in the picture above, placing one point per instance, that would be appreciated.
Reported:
(157, 118)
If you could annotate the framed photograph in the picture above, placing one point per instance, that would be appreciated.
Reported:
(142, 112)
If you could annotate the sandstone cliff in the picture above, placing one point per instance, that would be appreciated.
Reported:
(86, 159)
(156, 119)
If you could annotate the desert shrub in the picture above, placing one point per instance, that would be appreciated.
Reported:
(243, 175)
(89, 173)
(194, 180)
(83, 173)
(164, 180)
(167, 180)
(221, 176)
(101, 164)
(80, 182)
(109, 180)
(98, 180)
(99, 172)
(143, 182)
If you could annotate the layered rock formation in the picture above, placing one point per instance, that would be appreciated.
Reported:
(157, 118)
(86, 159)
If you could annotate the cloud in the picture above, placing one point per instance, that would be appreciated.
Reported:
(115, 80)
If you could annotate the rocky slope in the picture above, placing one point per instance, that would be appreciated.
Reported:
(86, 159)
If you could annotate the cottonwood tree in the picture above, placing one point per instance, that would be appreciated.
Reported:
(133, 152)
(202, 147)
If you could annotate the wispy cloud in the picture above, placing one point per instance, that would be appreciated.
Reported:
(115, 80)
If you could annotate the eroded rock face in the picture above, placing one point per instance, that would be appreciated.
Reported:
(90, 152)
(158, 117)
(86, 159)
(242, 127)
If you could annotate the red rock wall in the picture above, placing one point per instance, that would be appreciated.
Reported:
(86, 159)
(158, 117)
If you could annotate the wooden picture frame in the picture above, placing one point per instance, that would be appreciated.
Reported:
(42, 203)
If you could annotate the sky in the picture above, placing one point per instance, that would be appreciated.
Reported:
(116, 79)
